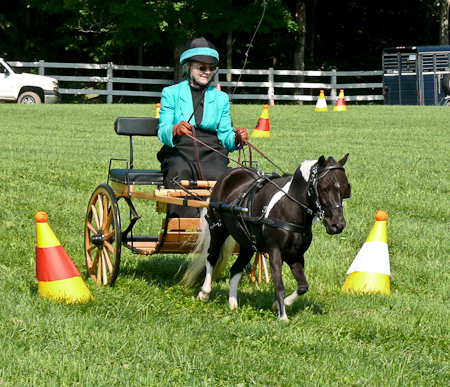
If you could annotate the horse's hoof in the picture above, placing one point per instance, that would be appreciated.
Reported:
(284, 318)
(233, 304)
(203, 296)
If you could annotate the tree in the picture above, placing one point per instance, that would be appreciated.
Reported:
(443, 9)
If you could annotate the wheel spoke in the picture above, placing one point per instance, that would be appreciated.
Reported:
(92, 247)
(110, 247)
(95, 215)
(104, 274)
(110, 235)
(95, 263)
(108, 261)
(91, 227)
(100, 201)
(109, 221)
(99, 269)
(105, 210)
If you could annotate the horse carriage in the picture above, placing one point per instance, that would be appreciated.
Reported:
(104, 233)
(266, 214)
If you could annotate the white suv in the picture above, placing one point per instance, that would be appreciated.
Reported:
(27, 88)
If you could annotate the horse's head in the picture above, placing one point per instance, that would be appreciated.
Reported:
(332, 188)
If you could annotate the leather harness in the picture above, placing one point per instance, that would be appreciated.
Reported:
(253, 227)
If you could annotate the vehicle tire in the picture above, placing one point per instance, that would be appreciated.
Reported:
(103, 236)
(29, 97)
(446, 84)
(446, 103)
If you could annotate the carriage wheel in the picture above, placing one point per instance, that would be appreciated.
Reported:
(103, 236)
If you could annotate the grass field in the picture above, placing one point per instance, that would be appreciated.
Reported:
(150, 331)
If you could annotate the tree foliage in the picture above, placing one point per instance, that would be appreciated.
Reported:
(334, 34)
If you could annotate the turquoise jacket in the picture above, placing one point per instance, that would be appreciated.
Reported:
(177, 106)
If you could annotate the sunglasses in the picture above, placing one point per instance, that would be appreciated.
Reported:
(204, 68)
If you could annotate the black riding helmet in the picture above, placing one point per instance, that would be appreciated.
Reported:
(199, 50)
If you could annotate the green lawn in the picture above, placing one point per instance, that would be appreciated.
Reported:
(150, 331)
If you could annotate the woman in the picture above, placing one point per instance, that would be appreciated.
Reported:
(193, 103)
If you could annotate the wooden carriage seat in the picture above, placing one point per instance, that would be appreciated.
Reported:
(177, 235)
(136, 126)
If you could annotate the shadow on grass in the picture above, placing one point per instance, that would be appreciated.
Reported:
(265, 298)
(167, 271)
(164, 270)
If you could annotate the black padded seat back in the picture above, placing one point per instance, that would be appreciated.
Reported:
(136, 126)
(137, 176)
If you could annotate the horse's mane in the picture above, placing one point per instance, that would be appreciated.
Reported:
(305, 168)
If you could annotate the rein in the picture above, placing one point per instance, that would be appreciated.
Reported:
(236, 161)
(315, 177)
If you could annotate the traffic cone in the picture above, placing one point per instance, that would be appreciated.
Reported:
(262, 128)
(158, 106)
(58, 278)
(218, 87)
(321, 105)
(340, 106)
(370, 270)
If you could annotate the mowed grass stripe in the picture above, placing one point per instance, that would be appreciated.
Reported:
(149, 331)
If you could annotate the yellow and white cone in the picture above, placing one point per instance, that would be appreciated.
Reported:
(321, 105)
(58, 278)
(370, 270)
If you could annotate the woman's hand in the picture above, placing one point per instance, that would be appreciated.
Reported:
(181, 129)
(240, 137)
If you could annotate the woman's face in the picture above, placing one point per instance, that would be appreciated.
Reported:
(201, 73)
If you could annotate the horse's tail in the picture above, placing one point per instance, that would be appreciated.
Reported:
(195, 273)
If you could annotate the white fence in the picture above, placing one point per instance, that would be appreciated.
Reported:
(270, 85)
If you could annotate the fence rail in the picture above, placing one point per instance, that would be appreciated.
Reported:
(271, 85)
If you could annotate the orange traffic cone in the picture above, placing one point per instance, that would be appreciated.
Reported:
(158, 106)
(262, 128)
(340, 106)
(58, 278)
(218, 87)
(321, 105)
(370, 270)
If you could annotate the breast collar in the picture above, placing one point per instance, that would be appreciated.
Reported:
(253, 227)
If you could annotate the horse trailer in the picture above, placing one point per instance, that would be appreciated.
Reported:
(416, 75)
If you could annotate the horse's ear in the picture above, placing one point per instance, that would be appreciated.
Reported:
(343, 160)
(321, 162)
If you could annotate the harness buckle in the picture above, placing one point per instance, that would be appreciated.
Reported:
(320, 214)
(254, 243)
(212, 224)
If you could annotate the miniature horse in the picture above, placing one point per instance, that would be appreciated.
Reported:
(279, 219)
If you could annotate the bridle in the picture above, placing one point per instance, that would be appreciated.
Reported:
(316, 175)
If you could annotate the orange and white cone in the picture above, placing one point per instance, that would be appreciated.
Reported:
(340, 106)
(262, 128)
(321, 105)
(370, 270)
(218, 87)
(58, 278)
(158, 106)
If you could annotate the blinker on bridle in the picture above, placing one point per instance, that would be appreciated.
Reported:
(316, 175)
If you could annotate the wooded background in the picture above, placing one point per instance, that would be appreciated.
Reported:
(294, 34)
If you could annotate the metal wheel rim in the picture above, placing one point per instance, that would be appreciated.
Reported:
(28, 100)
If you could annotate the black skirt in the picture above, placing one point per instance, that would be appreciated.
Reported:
(179, 163)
